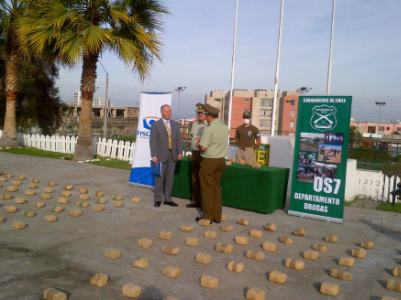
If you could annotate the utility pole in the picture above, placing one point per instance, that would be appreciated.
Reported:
(277, 73)
(106, 102)
(179, 90)
(333, 16)
(380, 104)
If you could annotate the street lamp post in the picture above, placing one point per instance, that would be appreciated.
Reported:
(106, 102)
(179, 90)
(333, 16)
(379, 104)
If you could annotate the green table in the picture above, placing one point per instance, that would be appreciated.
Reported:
(263, 190)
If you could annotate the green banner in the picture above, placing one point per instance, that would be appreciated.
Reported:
(320, 157)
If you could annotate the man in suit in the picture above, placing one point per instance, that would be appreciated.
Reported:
(165, 147)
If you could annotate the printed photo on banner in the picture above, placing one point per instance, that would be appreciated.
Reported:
(333, 138)
(330, 153)
(311, 141)
(325, 170)
(306, 166)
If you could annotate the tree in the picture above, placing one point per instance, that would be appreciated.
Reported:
(37, 100)
(10, 51)
(83, 30)
(354, 136)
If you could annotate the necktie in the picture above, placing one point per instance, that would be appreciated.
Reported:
(169, 135)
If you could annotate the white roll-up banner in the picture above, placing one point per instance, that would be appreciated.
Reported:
(149, 113)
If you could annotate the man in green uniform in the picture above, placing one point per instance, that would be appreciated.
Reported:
(213, 146)
(196, 133)
(248, 138)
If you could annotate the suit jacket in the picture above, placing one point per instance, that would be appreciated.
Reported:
(159, 140)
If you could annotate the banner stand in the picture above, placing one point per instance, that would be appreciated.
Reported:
(149, 112)
(320, 157)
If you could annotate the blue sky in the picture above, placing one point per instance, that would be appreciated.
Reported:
(198, 46)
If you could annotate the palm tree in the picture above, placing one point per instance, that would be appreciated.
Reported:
(83, 30)
(10, 49)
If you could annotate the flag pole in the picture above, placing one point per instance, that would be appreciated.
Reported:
(277, 74)
(333, 15)
(233, 67)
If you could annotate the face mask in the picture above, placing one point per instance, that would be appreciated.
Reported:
(247, 121)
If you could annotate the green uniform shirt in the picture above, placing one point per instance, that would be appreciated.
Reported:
(215, 139)
(246, 136)
(196, 132)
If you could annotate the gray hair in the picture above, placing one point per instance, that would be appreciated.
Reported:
(163, 106)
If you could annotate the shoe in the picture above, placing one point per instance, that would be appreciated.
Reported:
(157, 204)
(171, 203)
(200, 218)
(192, 205)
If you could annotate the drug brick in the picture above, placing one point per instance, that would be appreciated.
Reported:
(118, 203)
(192, 241)
(131, 290)
(54, 294)
(75, 212)
(340, 274)
(32, 185)
(99, 279)
(63, 200)
(66, 194)
(269, 246)
(113, 253)
(256, 233)
(358, 252)
(170, 250)
(393, 285)
(332, 238)
(223, 218)
(166, 235)
(140, 263)
(2, 219)
(38, 204)
(29, 214)
(224, 248)
(170, 298)
(346, 261)
(11, 209)
(136, 200)
(20, 200)
(329, 288)
(255, 255)
(186, 228)
(208, 281)
(68, 187)
(203, 258)
(367, 244)
(83, 190)
(397, 272)
(277, 277)
(30, 193)
(48, 190)
(58, 209)
(320, 247)
(98, 207)
(299, 232)
(210, 234)
(51, 218)
(310, 254)
(204, 222)
(84, 197)
(294, 264)
(255, 294)
(235, 266)
(12, 188)
(241, 240)
(227, 227)
(243, 222)
(52, 183)
(171, 272)
(286, 240)
(388, 298)
(145, 243)
(19, 225)
(99, 194)
(7, 196)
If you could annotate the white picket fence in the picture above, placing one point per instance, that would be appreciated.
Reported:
(66, 144)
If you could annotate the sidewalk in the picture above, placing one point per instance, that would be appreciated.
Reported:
(66, 253)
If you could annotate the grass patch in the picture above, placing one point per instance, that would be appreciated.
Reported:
(112, 163)
(37, 152)
(390, 207)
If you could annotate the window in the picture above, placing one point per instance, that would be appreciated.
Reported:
(264, 123)
(398, 128)
(388, 128)
(292, 113)
(266, 102)
(264, 113)
(292, 124)
(371, 129)
(381, 128)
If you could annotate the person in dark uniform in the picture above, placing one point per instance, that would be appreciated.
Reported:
(196, 133)
(248, 139)
(213, 146)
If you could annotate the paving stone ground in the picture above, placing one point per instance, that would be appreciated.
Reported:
(66, 253)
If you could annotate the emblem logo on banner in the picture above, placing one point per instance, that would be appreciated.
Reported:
(324, 118)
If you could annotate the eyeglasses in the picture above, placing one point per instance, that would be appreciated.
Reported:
(200, 113)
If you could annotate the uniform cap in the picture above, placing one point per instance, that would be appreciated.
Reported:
(246, 114)
(199, 108)
(211, 110)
